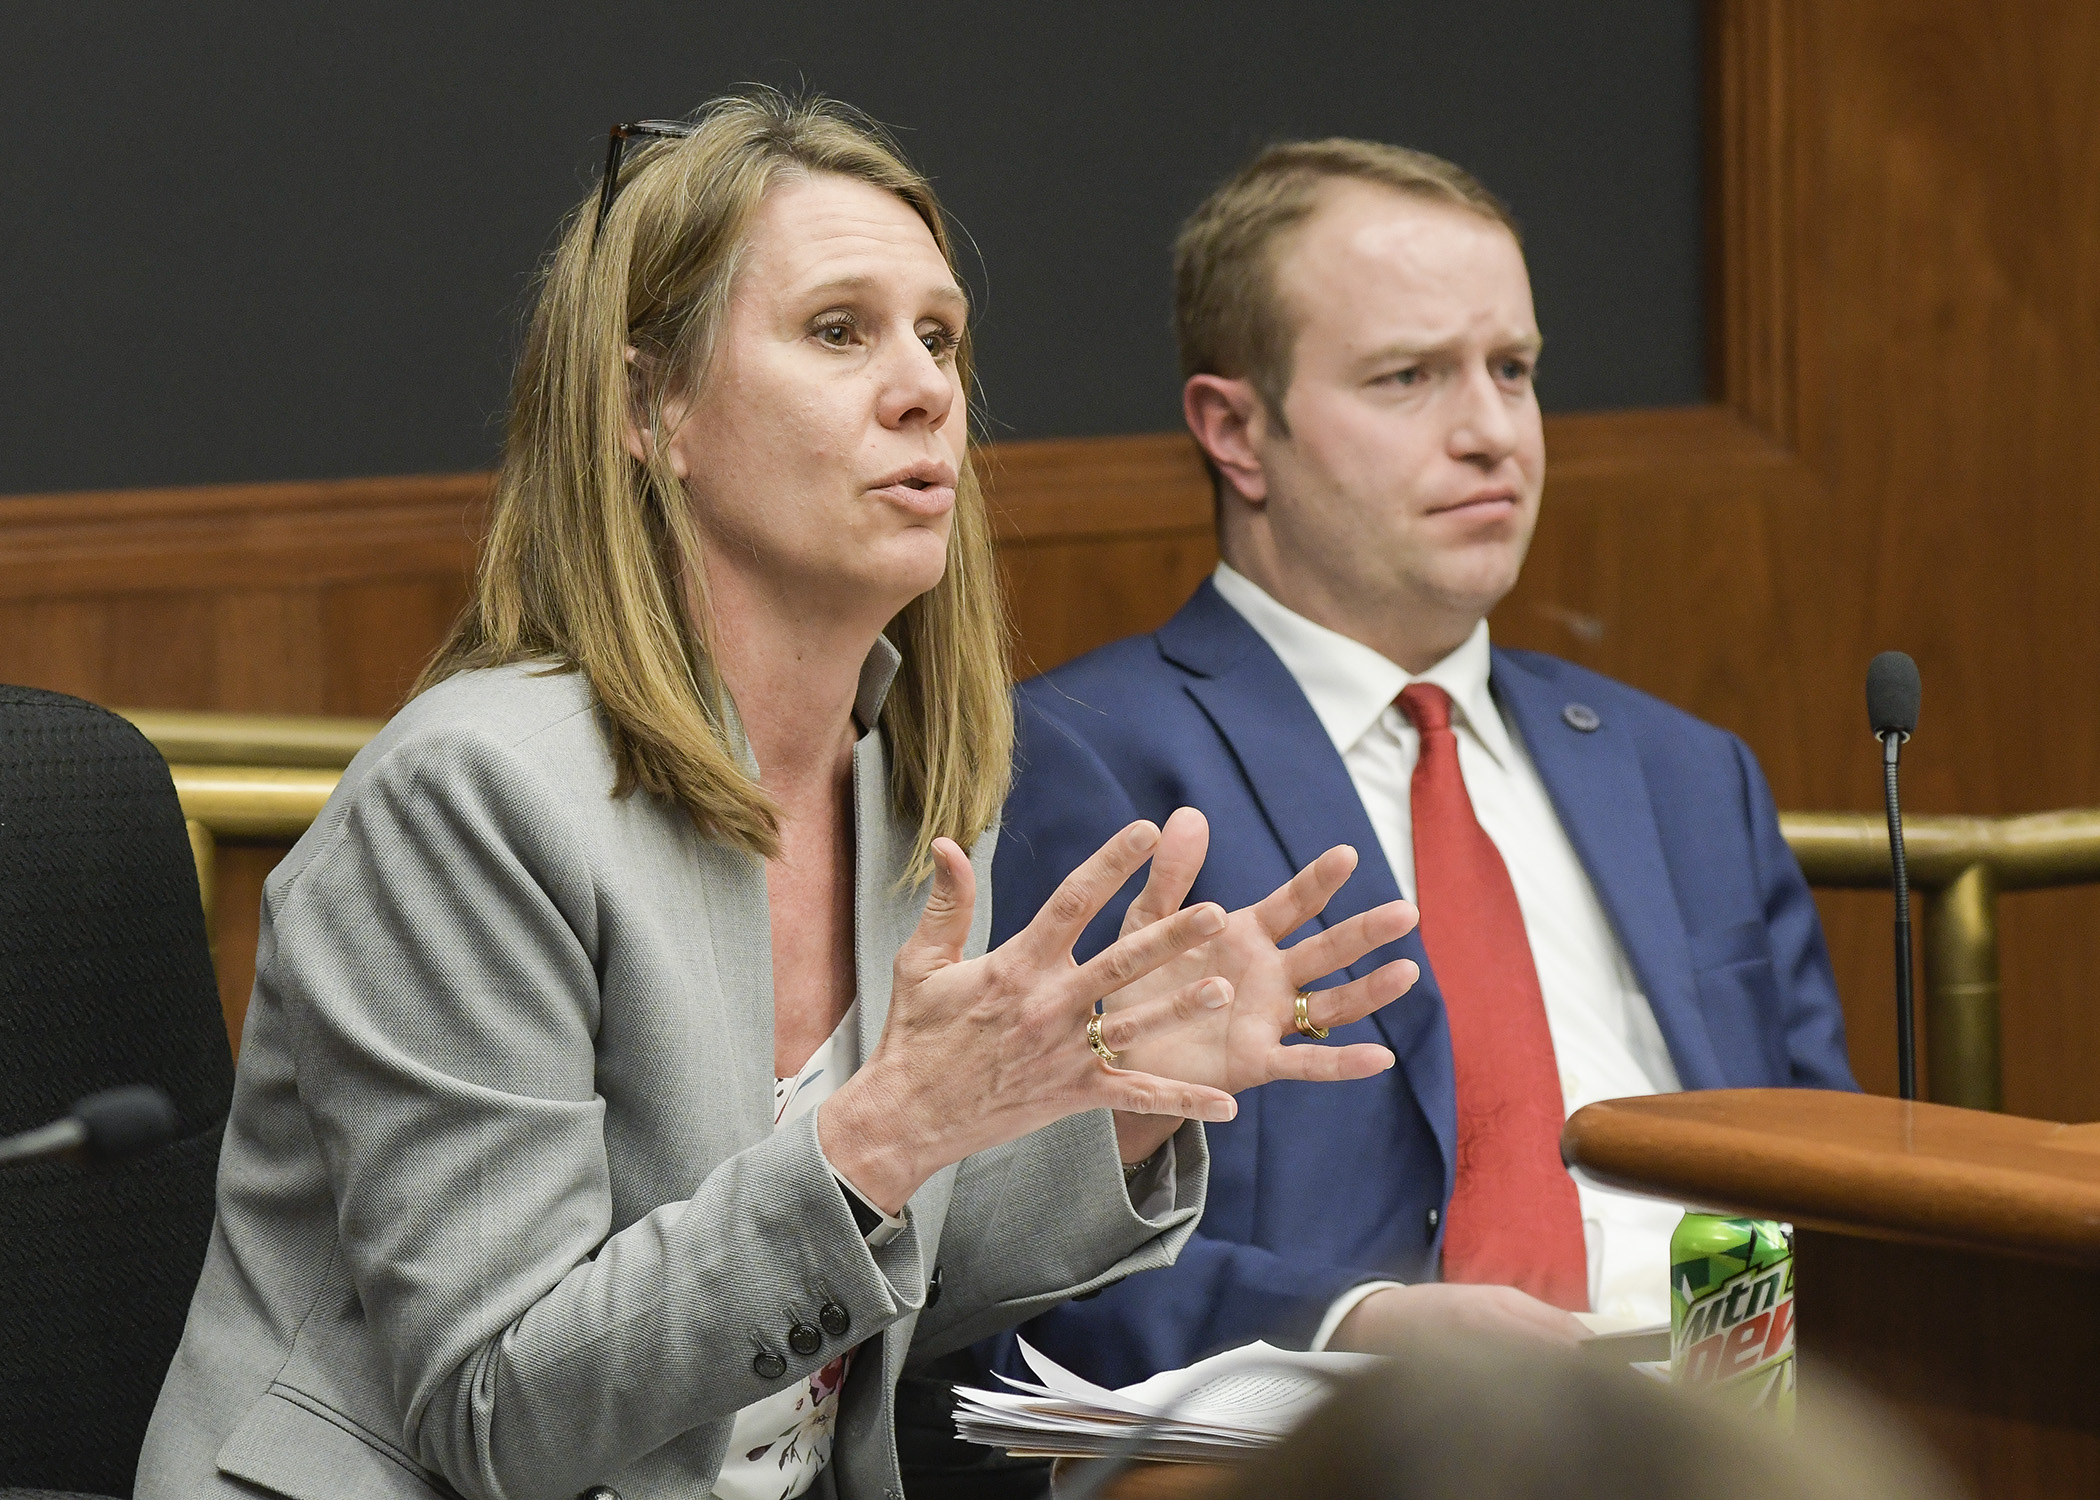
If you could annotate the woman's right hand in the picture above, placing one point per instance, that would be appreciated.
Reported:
(978, 1052)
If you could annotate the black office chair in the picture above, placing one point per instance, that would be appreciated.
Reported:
(105, 979)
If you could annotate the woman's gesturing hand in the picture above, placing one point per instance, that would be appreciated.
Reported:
(1244, 1045)
(977, 1052)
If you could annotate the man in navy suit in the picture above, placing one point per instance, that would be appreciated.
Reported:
(1607, 905)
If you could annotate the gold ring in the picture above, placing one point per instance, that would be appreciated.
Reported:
(1093, 1039)
(1305, 1025)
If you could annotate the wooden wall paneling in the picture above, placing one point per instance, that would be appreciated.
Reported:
(1104, 537)
(1069, 597)
(1625, 564)
(1959, 230)
(237, 925)
(380, 634)
(1907, 231)
(270, 645)
(2047, 951)
(1756, 98)
(1097, 539)
(1856, 924)
(114, 648)
(292, 598)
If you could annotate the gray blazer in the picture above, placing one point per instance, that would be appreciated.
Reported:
(501, 1209)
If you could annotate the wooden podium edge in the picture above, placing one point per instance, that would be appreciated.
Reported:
(1856, 1164)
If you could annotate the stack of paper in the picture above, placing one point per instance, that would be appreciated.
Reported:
(1626, 1341)
(1217, 1408)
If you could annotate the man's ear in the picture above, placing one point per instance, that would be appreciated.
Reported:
(1229, 419)
(641, 440)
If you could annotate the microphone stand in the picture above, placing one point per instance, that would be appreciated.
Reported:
(60, 1138)
(1906, 1034)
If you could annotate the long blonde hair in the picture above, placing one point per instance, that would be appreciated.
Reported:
(592, 560)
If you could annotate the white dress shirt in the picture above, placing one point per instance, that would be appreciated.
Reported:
(780, 1443)
(1605, 1039)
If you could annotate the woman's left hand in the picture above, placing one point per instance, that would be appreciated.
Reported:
(1242, 1044)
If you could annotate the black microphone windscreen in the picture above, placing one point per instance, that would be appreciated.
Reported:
(125, 1122)
(1892, 693)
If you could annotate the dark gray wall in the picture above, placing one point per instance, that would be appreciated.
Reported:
(245, 241)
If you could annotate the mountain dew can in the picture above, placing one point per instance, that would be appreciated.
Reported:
(1732, 1309)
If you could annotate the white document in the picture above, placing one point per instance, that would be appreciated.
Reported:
(1605, 1325)
(1244, 1398)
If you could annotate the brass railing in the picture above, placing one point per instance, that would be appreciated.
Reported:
(264, 778)
(265, 804)
(257, 777)
(275, 740)
(1959, 865)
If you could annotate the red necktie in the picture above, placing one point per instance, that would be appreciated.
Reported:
(1514, 1219)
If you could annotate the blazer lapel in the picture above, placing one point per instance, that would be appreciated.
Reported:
(1593, 776)
(1310, 805)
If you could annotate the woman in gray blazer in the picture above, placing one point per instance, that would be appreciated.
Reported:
(626, 1092)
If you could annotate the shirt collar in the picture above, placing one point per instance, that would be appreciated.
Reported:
(878, 670)
(1350, 686)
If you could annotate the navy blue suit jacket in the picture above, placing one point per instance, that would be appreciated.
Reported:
(1317, 1187)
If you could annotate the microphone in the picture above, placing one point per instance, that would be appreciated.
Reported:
(1892, 711)
(103, 1129)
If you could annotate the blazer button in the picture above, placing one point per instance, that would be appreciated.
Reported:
(1430, 1221)
(836, 1319)
(804, 1339)
(933, 1287)
(768, 1365)
(1581, 718)
(600, 1492)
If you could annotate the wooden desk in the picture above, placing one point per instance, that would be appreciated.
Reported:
(1947, 1259)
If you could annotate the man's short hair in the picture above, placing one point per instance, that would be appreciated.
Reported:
(1228, 316)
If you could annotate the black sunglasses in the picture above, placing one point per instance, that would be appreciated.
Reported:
(657, 130)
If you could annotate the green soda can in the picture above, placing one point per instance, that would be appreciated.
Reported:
(1732, 1309)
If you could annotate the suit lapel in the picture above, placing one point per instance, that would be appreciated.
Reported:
(1310, 805)
(1595, 781)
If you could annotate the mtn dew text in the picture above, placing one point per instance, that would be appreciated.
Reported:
(1732, 1308)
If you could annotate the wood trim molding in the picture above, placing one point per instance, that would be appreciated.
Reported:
(1756, 170)
(1081, 489)
(1059, 490)
(228, 536)
(1041, 493)
(1076, 489)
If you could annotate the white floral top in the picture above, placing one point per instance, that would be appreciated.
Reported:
(780, 1445)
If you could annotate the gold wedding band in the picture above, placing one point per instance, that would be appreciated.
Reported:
(1305, 1025)
(1093, 1039)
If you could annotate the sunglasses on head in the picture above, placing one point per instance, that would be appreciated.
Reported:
(658, 130)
